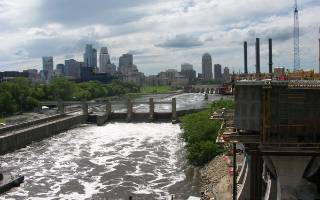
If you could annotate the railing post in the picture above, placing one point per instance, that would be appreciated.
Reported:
(84, 108)
(60, 107)
(174, 110)
(129, 110)
(151, 109)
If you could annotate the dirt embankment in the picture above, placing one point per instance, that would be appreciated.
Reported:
(216, 179)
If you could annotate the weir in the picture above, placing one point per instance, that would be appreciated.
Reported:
(20, 135)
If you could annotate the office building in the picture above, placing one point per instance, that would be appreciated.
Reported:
(47, 68)
(188, 72)
(217, 72)
(60, 70)
(73, 68)
(90, 57)
(206, 67)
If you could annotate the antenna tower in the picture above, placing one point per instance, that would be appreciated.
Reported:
(296, 65)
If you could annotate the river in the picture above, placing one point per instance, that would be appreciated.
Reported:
(115, 161)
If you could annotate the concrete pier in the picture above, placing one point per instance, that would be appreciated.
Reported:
(174, 110)
(151, 109)
(129, 110)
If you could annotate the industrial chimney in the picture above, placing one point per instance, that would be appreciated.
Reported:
(270, 56)
(257, 56)
(245, 57)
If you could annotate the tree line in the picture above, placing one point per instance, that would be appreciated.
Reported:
(21, 94)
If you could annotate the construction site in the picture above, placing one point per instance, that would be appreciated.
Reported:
(275, 126)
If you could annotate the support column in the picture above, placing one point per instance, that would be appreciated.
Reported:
(256, 175)
(206, 96)
(84, 108)
(129, 110)
(290, 170)
(151, 109)
(174, 110)
(234, 195)
(108, 109)
(60, 107)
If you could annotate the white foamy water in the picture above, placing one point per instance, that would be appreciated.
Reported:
(108, 162)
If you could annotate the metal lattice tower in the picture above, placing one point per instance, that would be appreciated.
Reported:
(296, 65)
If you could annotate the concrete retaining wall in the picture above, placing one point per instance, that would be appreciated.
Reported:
(30, 123)
(12, 141)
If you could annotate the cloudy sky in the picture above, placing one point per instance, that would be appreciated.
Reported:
(161, 34)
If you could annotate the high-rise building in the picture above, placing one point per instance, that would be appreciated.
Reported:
(126, 64)
(188, 72)
(104, 58)
(226, 75)
(60, 70)
(47, 67)
(90, 57)
(186, 66)
(206, 67)
(104, 62)
(217, 72)
(73, 68)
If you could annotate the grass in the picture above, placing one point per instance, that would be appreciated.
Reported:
(2, 120)
(155, 89)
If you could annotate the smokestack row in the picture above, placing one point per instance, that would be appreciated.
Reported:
(257, 46)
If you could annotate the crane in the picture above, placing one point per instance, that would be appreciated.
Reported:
(296, 35)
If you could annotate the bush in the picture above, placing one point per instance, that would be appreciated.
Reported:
(200, 134)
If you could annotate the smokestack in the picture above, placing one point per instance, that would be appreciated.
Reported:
(270, 56)
(319, 52)
(257, 56)
(245, 45)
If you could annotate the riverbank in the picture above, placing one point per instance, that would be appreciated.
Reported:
(216, 179)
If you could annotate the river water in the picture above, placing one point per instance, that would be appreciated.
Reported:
(115, 161)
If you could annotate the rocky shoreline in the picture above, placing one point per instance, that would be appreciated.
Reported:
(216, 179)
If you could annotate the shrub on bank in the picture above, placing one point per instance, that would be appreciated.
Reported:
(200, 134)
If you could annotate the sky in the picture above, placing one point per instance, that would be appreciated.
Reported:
(161, 34)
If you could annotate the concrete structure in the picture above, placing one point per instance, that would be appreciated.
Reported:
(47, 67)
(257, 56)
(90, 57)
(207, 67)
(245, 53)
(278, 124)
(22, 136)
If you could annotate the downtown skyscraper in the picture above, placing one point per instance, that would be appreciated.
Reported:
(207, 67)
(90, 57)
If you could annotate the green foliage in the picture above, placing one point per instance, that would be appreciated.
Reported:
(200, 133)
(155, 89)
(21, 94)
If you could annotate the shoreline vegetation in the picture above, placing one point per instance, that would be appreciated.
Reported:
(200, 133)
(202, 151)
(22, 95)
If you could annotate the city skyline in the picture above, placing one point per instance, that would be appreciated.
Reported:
(145, 30)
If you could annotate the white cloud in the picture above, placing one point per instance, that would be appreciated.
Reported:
(215, 26)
